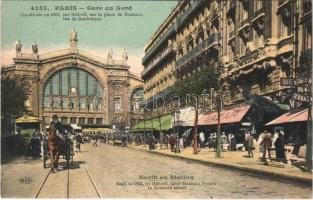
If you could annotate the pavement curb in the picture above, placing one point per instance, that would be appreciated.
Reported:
(232, 166)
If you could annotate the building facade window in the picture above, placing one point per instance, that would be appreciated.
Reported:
(90, 104)
(64, 103)
(64, 120)
(117, 104)
(46, 102)
(55, 102)
(285, 24)
(99, 121)
(90, 120)
(81, 120)
(72, 103)
(307, 36)
(73, 120)
(82, 103)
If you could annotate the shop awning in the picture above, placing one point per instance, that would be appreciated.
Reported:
(291, 116)
(155, 123)
(227, 116)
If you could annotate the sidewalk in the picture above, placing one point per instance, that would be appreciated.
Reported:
(236, 160)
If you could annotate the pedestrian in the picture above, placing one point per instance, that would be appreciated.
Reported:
(202, 139)
(79, 140)
(161, 139)
(297, 145)
(232, 141)
(184, 140)
(211, 141)
(181, 142)
(166, 140)
(214, 141)
(280, 147)
(250, 145)
(267, 144)
(95, 143)
(172, 142)
(37, 146)
(224, 141)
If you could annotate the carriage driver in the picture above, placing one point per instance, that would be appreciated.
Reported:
(57, 125)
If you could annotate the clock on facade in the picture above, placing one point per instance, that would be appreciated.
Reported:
(73, 90)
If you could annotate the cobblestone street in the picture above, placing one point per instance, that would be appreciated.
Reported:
(121, 172)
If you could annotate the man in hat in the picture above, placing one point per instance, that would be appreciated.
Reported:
(57, 125)
(267, 144)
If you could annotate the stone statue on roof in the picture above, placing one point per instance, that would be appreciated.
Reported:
(35, 48)
(73, 35)
(124, 55)
(110, 54)
(18, 47)
(73, 39)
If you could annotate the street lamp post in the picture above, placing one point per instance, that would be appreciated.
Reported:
(218, 101)
(177, 150)
(144, 128)
(218, 138)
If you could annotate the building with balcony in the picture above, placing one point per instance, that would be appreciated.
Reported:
(80, 88)
(262, 42)
(257, 45)
(186, 41)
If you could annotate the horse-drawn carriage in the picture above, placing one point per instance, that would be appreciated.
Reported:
(55, 146)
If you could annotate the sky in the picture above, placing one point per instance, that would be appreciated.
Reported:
(52, 32)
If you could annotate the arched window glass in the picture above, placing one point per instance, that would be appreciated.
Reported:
(69, 84)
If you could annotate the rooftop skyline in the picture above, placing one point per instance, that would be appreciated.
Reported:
(97, 37)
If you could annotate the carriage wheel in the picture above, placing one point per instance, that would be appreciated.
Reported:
(44, 161)
(44, 157)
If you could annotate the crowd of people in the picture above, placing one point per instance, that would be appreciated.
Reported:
(263, 143)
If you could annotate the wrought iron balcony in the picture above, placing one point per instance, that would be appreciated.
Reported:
(286, 41)
(180, 22)
(258, 12)
(249, 56)
(281, 1)
(197, 50)
(306, 11)
(194, 7)
(243, 22)
(156, 62)
(161, 41)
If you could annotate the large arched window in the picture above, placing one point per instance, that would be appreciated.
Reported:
(73, 88)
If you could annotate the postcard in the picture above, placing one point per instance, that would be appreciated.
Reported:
(187, 99)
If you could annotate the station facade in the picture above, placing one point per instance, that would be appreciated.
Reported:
(78, 87)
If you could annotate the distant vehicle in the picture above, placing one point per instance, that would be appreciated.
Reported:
(86, 139)
(27, 125)
(118, 139)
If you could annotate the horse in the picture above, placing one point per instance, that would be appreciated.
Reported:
(54, 148)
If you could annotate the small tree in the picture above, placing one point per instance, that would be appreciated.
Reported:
(195, 85)
(13, 99)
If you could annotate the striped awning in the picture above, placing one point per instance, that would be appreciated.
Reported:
(227, 116)
(290, 117)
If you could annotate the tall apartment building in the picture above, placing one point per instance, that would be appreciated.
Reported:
(256, 43)
(262, 42)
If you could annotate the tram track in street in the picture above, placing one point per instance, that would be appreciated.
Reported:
(48, 178)
(90, 178)
(43, 183)
(67, 183)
